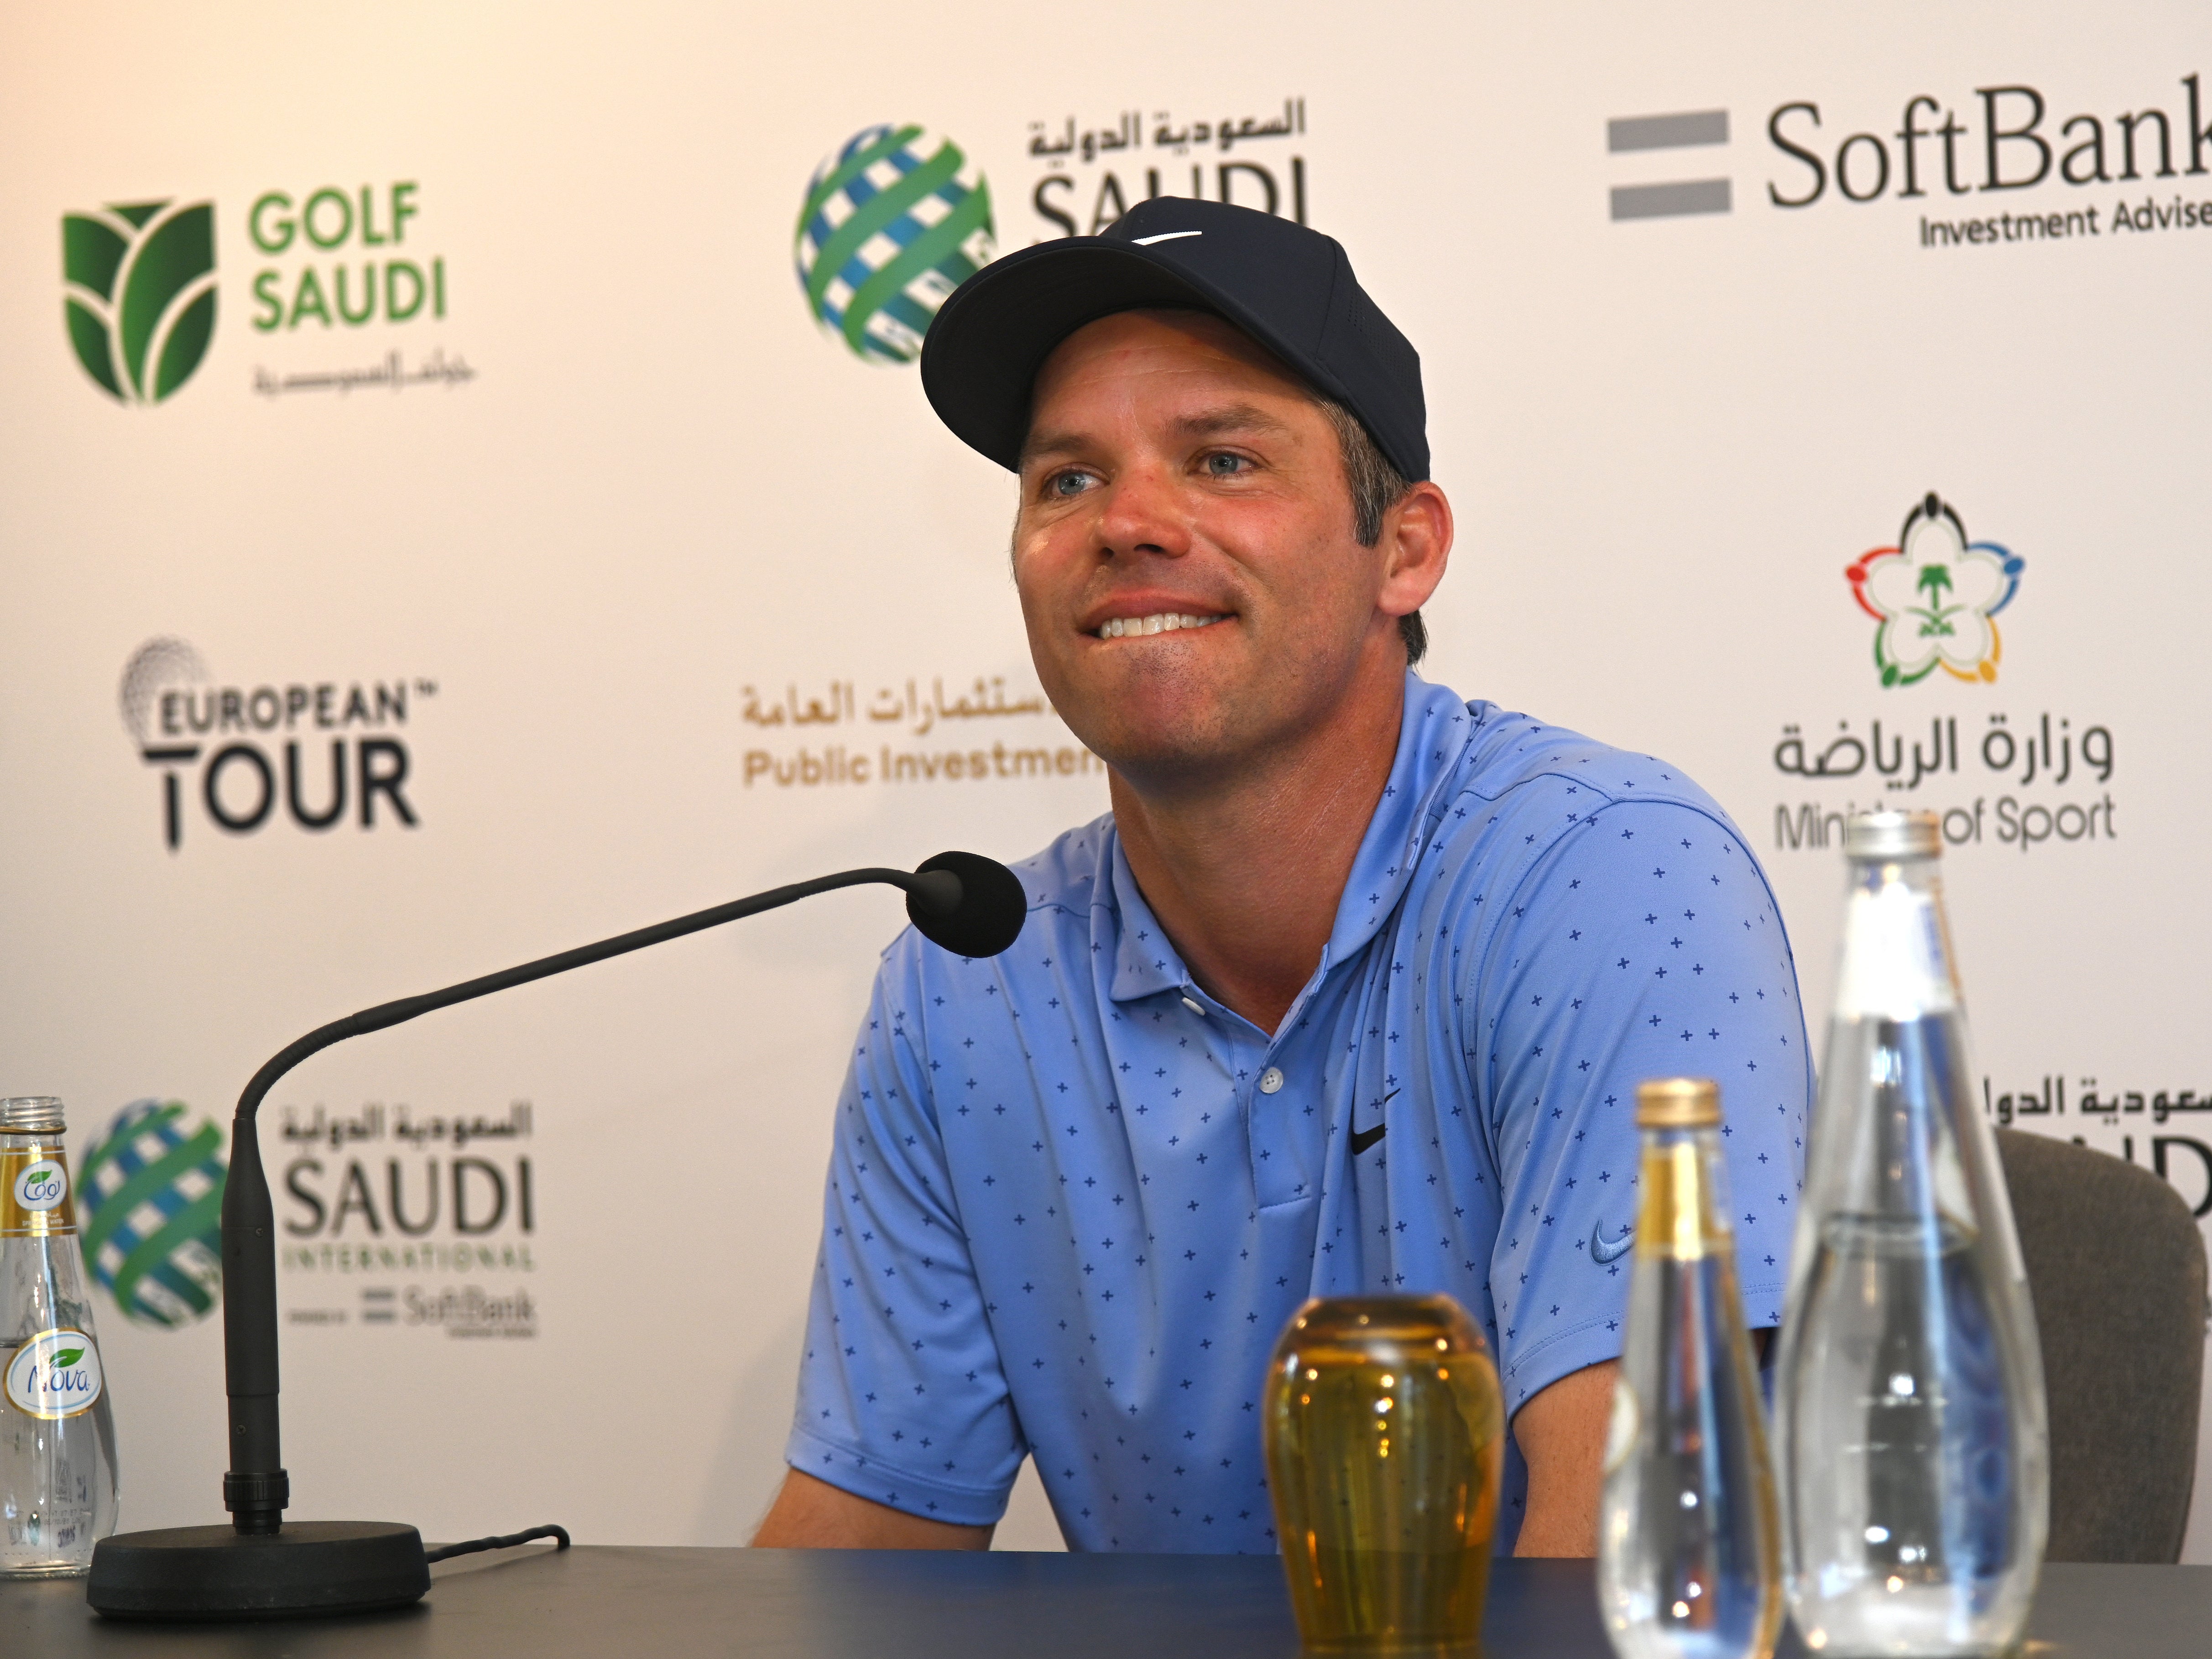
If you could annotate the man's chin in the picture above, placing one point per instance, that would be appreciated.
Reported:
(1153, 747)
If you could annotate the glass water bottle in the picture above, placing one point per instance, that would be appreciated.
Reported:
(1909, 1405)
(1689, 1551)
(57, 1483)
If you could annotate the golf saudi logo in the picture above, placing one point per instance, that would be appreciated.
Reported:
(139, 295)
(1936, 596)
(150, 1191)
(892, 224)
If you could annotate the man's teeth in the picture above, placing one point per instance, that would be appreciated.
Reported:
(1165, 622)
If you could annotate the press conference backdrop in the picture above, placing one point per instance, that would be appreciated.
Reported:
(467, 492)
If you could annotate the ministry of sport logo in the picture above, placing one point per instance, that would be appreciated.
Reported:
(1934, 597)
(893, 221)
(139, 296)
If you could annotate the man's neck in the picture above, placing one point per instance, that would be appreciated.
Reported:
(1246, 876)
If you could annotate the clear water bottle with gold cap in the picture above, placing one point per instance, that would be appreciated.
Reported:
(1689, 1550)
(1909, 1406)
(58, 1478)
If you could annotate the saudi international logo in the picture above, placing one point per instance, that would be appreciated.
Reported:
(151, 1192)
(893, 222)
(1936, 595)
(139, 295)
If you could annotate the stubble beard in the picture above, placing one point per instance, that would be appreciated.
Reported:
(1170, 728)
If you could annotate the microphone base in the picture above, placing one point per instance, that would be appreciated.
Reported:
(309, 1569)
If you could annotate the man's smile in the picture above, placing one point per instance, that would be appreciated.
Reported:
(1157, 622)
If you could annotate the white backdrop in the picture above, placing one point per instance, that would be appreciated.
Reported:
(607, 513)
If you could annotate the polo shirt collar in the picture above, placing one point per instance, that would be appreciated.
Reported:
(1144, 961)
(1432, 736)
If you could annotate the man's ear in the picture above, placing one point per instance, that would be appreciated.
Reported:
(1416, 545)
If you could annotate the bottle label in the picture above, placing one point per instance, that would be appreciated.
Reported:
(54, 1375)
(34, 1193)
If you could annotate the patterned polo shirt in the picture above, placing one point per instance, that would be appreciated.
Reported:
(1073, 1199)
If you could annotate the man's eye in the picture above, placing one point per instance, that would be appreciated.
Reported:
(1067, 483)
(1224, 465)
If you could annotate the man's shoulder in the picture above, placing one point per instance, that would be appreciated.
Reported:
(1062, 884)
(1531, 806)
(1526, 764)
(1076, 867)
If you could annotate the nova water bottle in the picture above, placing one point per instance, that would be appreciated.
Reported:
(58, 1487)
(1909, 1406)
(1689, 1551)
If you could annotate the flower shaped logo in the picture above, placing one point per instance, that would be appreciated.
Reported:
(1936, 596)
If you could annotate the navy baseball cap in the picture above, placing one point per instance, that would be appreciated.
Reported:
(1289, 288)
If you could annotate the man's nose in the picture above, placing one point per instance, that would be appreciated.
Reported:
(1144, 512)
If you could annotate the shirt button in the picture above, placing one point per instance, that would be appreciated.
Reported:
(1270, 1080)
(1198, 1008)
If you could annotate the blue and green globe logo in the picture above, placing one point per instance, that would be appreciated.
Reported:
(139, 298)
(893, 222)
(149, 1192)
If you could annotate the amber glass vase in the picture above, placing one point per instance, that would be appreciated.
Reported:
(1385, 1430)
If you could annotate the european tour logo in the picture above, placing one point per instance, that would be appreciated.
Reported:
(340, 748)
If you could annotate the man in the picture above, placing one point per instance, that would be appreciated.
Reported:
(1350, 993)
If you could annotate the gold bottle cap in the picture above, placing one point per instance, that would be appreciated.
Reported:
(1678, 1103)
(1892, 835)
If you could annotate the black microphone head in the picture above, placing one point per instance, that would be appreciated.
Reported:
(990, 912)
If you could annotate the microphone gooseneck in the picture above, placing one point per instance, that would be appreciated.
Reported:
(966, 903)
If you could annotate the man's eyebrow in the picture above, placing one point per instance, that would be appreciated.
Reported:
(1234, 417)
(1213, 423)
(1048, 443)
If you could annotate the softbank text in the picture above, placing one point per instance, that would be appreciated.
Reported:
(2009, 139)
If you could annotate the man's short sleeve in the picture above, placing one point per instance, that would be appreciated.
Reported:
(901, 1397)
(1645, 943)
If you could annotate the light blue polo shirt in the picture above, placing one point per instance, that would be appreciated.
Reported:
(1073, 1199)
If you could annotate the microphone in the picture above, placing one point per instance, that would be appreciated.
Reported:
(258, 1567)
(974, 906)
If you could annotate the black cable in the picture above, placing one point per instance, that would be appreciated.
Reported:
(558, 1534)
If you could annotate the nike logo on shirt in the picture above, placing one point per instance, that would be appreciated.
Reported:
(1363, 1139)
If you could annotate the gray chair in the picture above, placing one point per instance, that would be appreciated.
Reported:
(2116, 1269)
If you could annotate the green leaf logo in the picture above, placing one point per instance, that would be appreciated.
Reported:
(138, 295)
(64, 1358)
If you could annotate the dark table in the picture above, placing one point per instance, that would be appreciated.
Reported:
(610, 1603)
